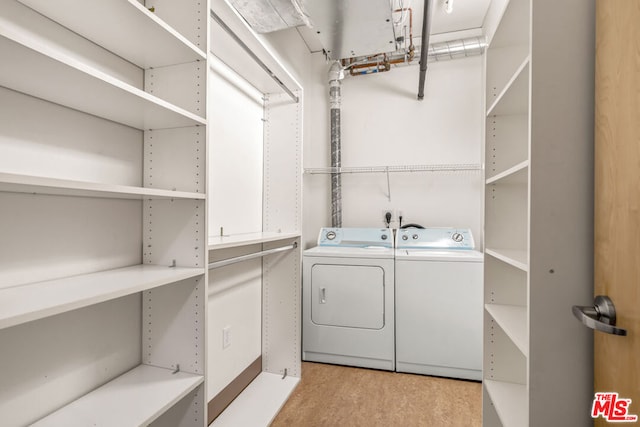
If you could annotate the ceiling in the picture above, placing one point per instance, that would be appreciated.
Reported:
(466, 15)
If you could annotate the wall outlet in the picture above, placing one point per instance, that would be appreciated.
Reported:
(384, 216)
(226, 337)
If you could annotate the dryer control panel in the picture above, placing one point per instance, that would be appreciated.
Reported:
(434, 238)
(356, 237)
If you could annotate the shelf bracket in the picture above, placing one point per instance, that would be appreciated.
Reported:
(177, 369)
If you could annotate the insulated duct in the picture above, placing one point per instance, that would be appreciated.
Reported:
(336, 74)
(266, 16)
(424, 48)
(455, 49)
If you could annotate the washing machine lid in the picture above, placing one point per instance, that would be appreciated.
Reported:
(455, 255)
(355, 237)
(371, 252)
(444, 238)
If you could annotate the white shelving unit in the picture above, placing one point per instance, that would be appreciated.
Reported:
(276, 277)
(538, 221)
(103, 285)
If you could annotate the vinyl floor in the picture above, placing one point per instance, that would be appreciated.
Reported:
(332, 396)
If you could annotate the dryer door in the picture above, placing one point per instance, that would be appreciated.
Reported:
(347, 296)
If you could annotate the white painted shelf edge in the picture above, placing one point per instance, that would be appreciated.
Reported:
(29, 302)
(53, 186)
(135, 398)
(110, 98)
(511, 175)
(150, 42)
(259, 403)
(519, 73)
(513, 321)
(514, 257)
(510, 401)
(237, 240)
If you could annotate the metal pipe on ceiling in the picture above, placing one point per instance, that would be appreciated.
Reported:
(447, 50)
(424, 49)
(454, 49)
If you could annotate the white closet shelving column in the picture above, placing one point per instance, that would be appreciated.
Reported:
(507, 219)
(105, 243)
(538, 212)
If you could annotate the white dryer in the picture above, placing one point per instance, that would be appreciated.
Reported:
(439, 303)
(348, 298)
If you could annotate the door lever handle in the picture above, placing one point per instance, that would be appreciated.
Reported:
(601, 316)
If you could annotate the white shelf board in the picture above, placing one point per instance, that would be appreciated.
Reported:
(141, 37)
(514, 175)
(259, 403)
(510, 401)
(16, 183)
(514, 98)
(236, 240)
(514, 257)
(513, 321)
(38, 70)
(135, 398)
(25, 303)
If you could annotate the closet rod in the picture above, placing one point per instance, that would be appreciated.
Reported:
(253, 56)
(228, 261)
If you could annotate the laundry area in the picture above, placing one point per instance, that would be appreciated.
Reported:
(217, 212)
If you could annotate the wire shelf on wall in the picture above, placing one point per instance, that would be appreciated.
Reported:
(394, 169)
(444, 168)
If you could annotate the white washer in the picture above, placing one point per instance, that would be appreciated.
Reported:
(348, 298)
(439, 303)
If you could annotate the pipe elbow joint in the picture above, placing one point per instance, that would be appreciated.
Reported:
(336, 72)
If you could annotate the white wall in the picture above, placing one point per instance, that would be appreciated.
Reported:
(384, 124)
(235, 203)
(235, 153)
(235, 301)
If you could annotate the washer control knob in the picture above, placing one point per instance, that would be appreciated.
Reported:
(457, 237)
(415, 237)
(405, 237)
(331, 235)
